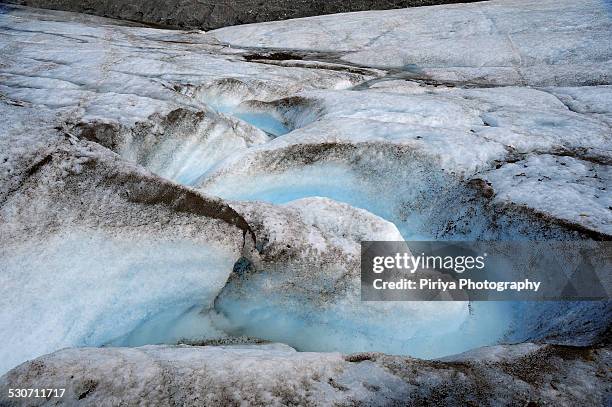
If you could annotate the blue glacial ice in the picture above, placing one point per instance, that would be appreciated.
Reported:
(425, 330)
(99, 288)
(403, 151)
(264, 121)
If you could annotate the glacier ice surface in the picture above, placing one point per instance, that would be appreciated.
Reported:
(403, 151)
(51, 298)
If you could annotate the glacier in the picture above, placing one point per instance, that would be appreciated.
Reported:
(162, 187)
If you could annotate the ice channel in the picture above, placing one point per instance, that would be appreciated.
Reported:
(426, 330)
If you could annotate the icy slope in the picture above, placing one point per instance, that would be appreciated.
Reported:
(502, 42)
(447, 133)
(303, 288)
(310, 152)
(99, 251)
(165, 100)
(92, 247)
(276, 375)
(405, 156)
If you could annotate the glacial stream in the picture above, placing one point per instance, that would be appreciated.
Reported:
(425, 330)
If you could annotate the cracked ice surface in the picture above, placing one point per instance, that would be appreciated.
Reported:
(499, 42)
(354, 136)
(428, 141)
